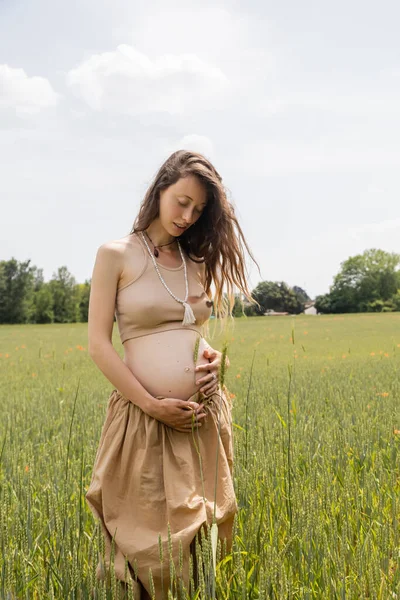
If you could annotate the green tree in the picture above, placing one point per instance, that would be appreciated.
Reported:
(83, 293)
(16, 289)
(276, 296)
(65, 298)
(396, 300)
(43, 304)
(366, 282)
(323, 304)
(301, 294)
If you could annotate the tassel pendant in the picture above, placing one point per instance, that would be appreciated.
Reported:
(188, 317)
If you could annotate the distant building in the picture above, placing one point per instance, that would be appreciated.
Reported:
(309, 308)
(272, 313)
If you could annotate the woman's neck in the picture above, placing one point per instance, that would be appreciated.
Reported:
(158, 236)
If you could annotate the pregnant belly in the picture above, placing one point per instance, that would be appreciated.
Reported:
(164, 362)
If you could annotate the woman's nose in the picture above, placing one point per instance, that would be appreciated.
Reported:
(187, 217)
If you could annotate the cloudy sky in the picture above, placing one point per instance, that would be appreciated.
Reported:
(296, 104)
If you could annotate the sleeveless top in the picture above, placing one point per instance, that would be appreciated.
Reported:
(143, 306)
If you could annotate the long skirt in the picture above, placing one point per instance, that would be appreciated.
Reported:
(153, 488)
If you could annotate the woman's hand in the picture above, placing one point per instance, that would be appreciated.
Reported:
(210, 383)
(178, 414)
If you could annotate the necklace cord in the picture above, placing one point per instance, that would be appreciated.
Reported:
(189, 317)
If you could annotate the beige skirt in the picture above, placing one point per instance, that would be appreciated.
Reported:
(148, 478)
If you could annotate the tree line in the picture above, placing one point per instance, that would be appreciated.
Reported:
(26, 298)
(368, 282)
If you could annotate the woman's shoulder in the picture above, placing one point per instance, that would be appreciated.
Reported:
(124, 245)
(130, 252)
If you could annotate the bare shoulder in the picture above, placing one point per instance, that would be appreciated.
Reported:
(129, 252)
(111, 253)
(121, 246)
(113, 247)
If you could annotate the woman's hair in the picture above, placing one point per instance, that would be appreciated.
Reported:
(212, 238)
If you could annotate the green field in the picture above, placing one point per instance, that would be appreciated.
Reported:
(317, 446)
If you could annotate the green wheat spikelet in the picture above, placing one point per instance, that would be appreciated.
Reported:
(222, 371)
(196, 349)
(151, 582)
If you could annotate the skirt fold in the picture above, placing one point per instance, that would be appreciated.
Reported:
(149, 479)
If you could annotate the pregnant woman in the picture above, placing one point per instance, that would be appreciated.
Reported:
(149, 488)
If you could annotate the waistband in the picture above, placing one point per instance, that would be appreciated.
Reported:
(164, 327)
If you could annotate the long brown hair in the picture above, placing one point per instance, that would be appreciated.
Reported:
(212, 238)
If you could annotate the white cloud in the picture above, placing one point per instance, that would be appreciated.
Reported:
(391, 72)
(381, 227)
(292, 156)
(196, 143)
(375, 189)
(27, 95)
(336, 100)
(229, 36)
(127, 81)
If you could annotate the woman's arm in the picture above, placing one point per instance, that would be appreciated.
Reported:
(105, 277)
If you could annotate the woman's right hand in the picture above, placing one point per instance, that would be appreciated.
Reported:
(181, 415)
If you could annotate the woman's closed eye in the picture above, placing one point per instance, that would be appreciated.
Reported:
(198, 210)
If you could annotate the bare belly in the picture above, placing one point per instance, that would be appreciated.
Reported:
(164, 362)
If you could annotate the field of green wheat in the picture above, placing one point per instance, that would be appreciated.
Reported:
(316, 411)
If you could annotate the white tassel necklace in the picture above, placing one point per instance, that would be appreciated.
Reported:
(188, 317)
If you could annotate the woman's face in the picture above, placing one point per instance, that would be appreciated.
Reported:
(182, 204)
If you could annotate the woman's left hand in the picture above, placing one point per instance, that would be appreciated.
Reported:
(210, 383)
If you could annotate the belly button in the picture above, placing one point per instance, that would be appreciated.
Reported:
(187, 368)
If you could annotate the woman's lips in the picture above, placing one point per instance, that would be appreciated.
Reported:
(181, 228)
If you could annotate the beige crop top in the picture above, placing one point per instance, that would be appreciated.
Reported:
(143, 306)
